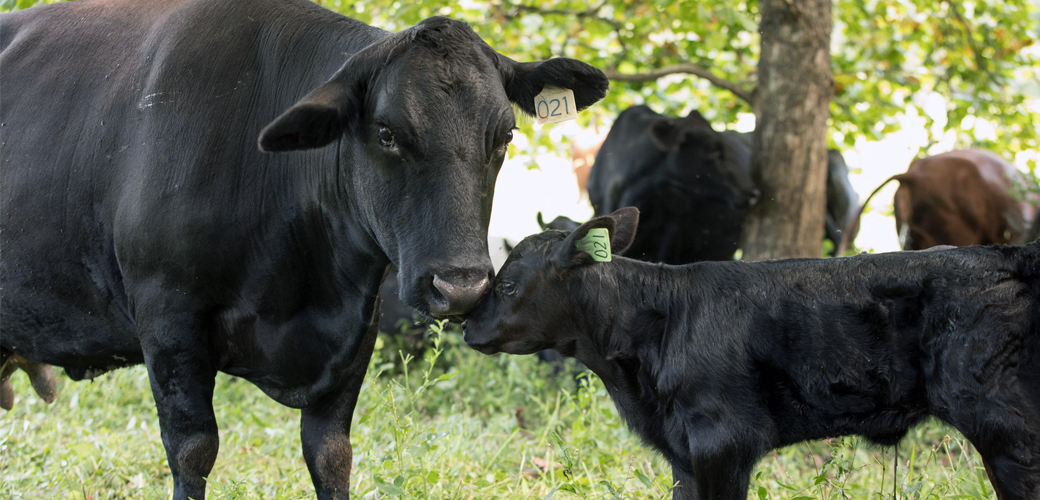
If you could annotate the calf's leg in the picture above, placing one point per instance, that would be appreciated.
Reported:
(712, 481)
(1005, 428)
(1008, 440)
(325, 427)
(721, 465)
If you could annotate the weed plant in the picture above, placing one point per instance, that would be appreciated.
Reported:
(443, 423)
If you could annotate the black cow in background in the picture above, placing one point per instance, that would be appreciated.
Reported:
(693, 186)
(715, 364)
(842, 202)
(1033, 232)
(142, 224)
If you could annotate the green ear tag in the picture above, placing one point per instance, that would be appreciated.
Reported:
(596, 244)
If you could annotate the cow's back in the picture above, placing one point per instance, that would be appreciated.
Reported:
(626, 155)
(129, 132)
(959, 198)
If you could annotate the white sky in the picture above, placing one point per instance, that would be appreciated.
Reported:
(551, 188)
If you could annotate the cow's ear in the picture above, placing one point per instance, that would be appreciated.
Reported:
(316, 120)
(541, 222)
(524, 81)
(666, 134)
(670, 133)
(621, 230)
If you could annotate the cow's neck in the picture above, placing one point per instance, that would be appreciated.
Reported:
(332, 220)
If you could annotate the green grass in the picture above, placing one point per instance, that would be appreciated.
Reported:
(453, 424)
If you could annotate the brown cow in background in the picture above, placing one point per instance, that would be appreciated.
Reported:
(959, 198)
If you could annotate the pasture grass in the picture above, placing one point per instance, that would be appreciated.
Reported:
(452, 424)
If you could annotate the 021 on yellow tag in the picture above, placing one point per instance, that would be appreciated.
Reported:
(554, 105)
(596, 244)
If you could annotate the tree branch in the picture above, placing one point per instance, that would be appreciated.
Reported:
(691, 69)
(591, 13)
(980, 61)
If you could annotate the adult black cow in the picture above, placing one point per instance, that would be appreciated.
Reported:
(692, 184)
(142, 225)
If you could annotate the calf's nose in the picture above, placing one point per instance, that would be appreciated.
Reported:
(455, 294)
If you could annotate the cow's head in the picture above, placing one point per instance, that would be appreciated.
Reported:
(422, 120)
(549, 291)
(698, 161)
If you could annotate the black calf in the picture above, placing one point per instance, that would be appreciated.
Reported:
(717, 363)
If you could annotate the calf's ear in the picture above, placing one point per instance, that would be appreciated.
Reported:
(621, 228)
(319, 118)
(626, 220)
(524, 81)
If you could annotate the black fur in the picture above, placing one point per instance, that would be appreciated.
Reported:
(715, 364)
(141, 224)
(692, 185)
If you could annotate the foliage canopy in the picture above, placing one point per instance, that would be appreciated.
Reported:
(888, 56)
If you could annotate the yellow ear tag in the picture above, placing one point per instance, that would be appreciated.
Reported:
(596, 244)
(554, 105)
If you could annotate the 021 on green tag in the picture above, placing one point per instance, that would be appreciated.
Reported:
(596, 243)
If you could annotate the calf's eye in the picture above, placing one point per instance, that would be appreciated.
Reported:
(509, 137)
(506, 288)
(386, 137)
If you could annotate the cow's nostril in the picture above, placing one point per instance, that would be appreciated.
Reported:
(459, 296)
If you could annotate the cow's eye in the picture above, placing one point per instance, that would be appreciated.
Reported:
(507, 288)
(386, 137)
(509, 137)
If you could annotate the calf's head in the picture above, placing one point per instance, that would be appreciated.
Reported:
(541, 295)
(421, 121)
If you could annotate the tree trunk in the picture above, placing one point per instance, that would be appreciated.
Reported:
(789, 158)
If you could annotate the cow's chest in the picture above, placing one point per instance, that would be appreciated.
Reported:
(298, 359)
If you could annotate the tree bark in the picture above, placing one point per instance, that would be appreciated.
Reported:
(789, 158)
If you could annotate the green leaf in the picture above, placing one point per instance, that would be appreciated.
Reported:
(447, 376)
(388, 488)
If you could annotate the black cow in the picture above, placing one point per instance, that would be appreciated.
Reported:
(560, 223)
(142, 224)
(715, 364)
(693, 185)
(1033, 232)
(842, 203)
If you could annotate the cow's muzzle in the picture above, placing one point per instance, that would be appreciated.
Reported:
(453, 294)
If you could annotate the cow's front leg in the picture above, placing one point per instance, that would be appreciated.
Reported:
(325, 428)
(182, 379)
